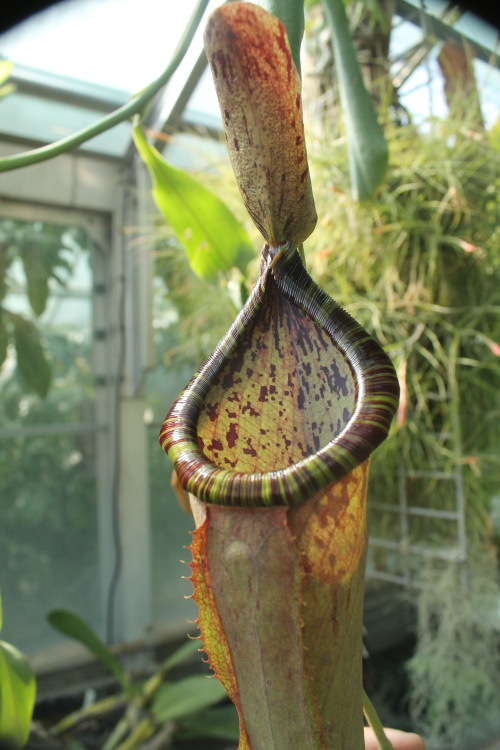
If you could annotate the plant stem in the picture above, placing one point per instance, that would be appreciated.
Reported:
(144, 728)
(373, 720)
(134, 106)
(101, 708)
(143, 731)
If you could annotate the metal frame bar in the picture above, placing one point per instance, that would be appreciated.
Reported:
(404, 547)
(414, 13)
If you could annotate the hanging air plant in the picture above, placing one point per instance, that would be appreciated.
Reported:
(272, 436)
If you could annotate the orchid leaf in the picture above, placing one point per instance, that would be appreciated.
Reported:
(73, 626)
(367, 147)
(42, 256)
(213, 238)
(37, 277)
(259, 95)
(17, 694)
(220, 723)
(176, 700)
(17, 697)
(179, 655)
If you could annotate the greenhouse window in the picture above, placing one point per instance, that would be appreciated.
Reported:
(76, 528)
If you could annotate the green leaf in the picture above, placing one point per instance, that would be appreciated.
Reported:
(74, 627)
(17, 696)
(41, 248)
(181, 654)
(291, 15)
(367, 147)
(31, 359)
(212, 237)
(221, 723)
(37, 278)
(175, 700)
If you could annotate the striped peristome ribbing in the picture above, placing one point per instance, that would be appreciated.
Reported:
(376, 399)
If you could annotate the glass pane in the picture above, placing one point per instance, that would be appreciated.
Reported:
(48, 534)
(170, 535)
(170, 523)
(44, 120)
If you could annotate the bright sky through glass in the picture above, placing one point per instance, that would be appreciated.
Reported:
(119, 44)
(124, 44)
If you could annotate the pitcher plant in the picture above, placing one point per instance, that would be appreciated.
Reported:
(272, 436)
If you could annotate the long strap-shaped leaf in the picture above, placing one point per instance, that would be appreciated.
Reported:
(367, 147)
(295, 396)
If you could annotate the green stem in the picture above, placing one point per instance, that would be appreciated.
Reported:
(372, 718)
(142, 732)
(133, 107)
(95, 711)
(137, 706)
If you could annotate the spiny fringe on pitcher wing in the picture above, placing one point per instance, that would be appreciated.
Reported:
(376, 402)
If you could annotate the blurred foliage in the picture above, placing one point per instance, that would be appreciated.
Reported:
(155, 710)
(420, 269)
(455, 672)
(366, 145)
(48, 489)
(47, 458)
(198, 311)
(33, 258)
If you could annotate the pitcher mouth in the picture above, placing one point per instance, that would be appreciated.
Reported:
(371, 405)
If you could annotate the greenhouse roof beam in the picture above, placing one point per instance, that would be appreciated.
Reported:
(483, 37)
